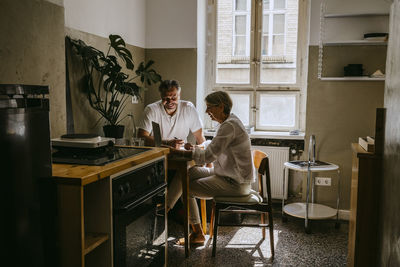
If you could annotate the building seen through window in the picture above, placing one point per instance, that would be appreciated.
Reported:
(256, 52)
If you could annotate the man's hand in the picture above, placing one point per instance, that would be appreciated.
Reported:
(175, 143)
(189, 146)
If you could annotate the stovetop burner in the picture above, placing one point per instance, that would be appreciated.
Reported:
(93, 156)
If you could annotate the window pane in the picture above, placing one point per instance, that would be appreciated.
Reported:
(279, 4)
(278, 46)
(240, 46)
(240, 24)
(264, 45)
(241, 107)
(266, 4)
(241, 5)
(278, 65)
(233, 51)
(279, 23)
(277, 110)
(265, 24)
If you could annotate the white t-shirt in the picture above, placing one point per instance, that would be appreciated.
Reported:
(185, 119)
(229, 150)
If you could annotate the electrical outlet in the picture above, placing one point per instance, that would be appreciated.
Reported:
(323, 181)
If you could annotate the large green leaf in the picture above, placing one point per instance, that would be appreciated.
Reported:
(107, 87)
(147, 75)
(119, 46)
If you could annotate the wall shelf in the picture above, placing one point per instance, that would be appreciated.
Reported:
(344, 32)
(344, 15)
(354, 42)
(356, 78)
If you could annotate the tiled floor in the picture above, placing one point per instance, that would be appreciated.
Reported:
(325, 246)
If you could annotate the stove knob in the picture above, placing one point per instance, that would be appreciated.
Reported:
(121, 190)
(127, 187)
(161, 172)
(148, 179)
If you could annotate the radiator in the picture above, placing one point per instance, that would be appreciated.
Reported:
(277, 156)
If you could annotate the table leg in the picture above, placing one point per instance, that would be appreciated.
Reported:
(185, 195)
(203, 215)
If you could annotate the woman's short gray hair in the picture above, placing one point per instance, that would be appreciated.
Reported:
(220, 97)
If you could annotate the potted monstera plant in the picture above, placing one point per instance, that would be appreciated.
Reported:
(108, 87)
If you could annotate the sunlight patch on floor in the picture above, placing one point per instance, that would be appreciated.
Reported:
(250, 240)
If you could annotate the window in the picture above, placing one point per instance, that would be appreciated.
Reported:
(273, 28)
(241, 103)
(257, 55)
(241, 36)
(277, 111)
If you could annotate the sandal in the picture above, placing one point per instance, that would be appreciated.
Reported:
(181, 241)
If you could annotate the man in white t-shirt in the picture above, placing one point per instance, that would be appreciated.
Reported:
(176, 118)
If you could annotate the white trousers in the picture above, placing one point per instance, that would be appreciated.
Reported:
(203, 183)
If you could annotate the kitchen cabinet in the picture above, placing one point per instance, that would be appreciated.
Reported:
(85, 209)
(341, 42)
(364, 208)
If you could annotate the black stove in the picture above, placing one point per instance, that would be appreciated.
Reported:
(93, 156)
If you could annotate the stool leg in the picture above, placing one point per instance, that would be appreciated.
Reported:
(212, 219)
(215, 230)
(263, 222)
(271, 235)
(203, 215)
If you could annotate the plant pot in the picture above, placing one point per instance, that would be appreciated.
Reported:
(114, 131)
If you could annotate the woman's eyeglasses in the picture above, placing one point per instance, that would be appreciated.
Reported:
(211, 105)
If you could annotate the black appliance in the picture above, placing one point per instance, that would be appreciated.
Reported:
(139, 221)
(94, 156)
(28, 192)
(89, 149)
(353, 70)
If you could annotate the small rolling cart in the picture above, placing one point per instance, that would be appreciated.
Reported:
(310, 210)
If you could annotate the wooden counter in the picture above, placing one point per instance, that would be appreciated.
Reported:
(364, 208)
(84, 174)
(85, 209)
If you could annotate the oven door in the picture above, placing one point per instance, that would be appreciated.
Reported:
(140, 232)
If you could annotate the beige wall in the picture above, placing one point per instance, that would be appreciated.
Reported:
(337, 114)
(85, 118)
(32, 51)
(177, 64)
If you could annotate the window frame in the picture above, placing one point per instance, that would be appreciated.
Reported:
(254, 86)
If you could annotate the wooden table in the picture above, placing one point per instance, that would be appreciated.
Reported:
(182, 165)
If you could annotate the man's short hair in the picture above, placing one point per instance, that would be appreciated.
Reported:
(168, 85)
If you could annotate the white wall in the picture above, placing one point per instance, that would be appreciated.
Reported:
(201, 55)
(171, 23)
(343, 6)
(104, 17)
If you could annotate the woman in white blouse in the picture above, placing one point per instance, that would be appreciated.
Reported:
(230, 153)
